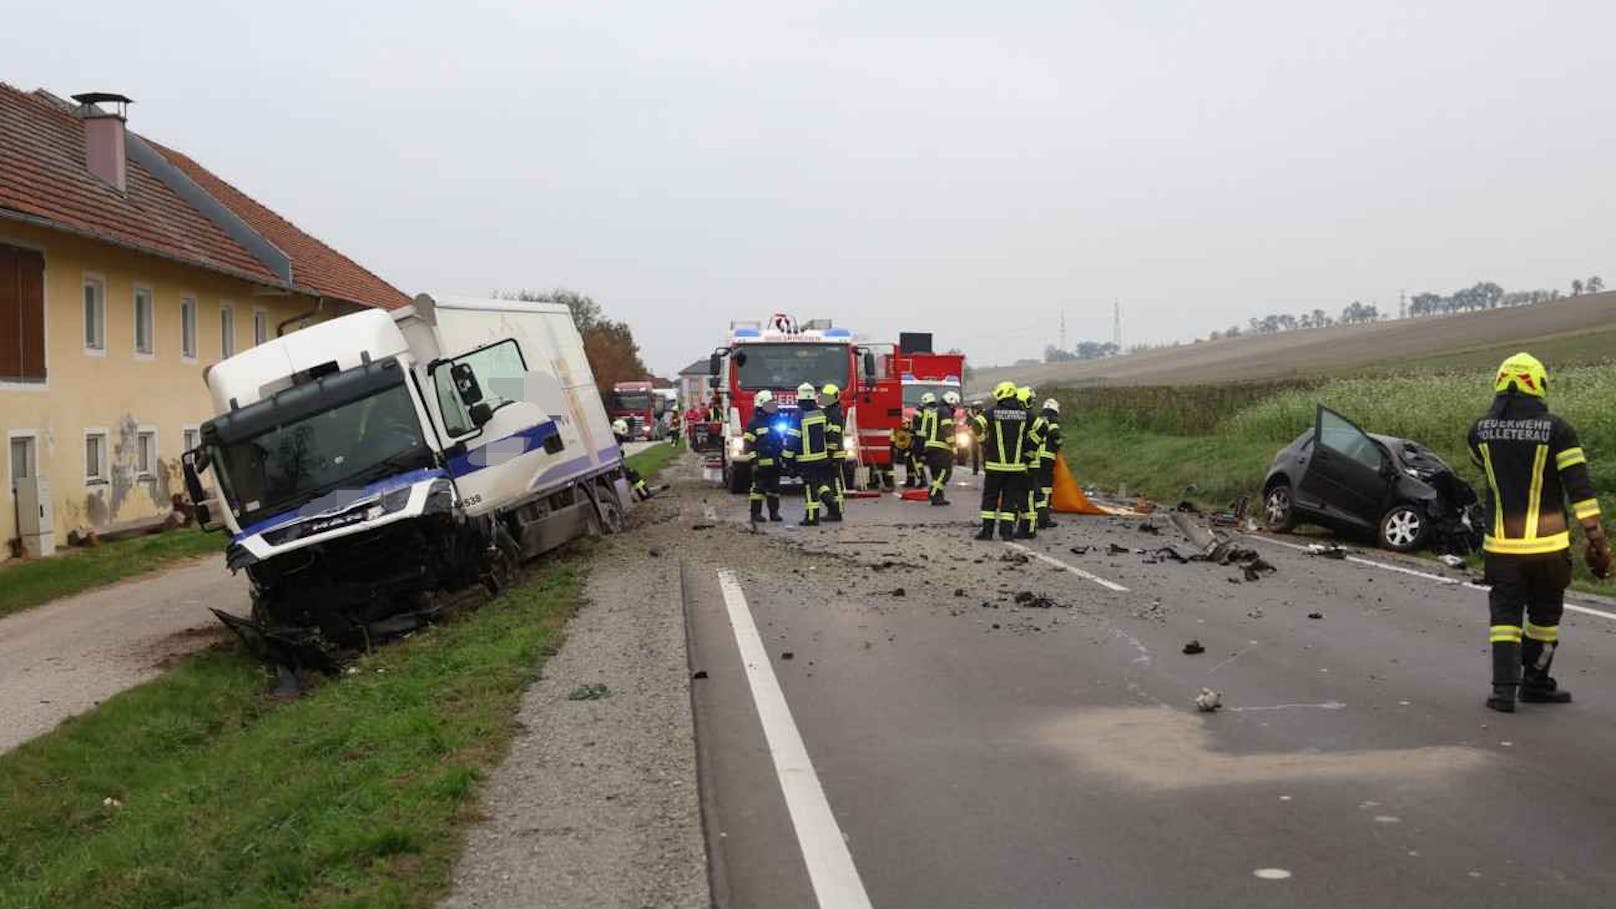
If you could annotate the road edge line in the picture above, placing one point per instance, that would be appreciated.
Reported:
(718, 892)
(1087, 576)
(831, 871)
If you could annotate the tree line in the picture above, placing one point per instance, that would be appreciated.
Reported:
(609, 345)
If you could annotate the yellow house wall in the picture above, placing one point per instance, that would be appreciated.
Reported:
(119, 391)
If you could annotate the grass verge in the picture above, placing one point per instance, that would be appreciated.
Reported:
(27, 583)
(349, 797)
(650, 461)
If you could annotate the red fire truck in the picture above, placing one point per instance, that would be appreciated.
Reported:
(636, 404)
(779, 355)
(920, 371)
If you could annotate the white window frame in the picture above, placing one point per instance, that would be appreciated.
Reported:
(187, 430)
(227, 311)
(32, 435)
(141, 433)
(188, 340)
(260, 325)
(45, 385)
(151, 320)
(99, 281)
(104, 476)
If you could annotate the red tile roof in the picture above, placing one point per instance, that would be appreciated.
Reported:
(44, 177)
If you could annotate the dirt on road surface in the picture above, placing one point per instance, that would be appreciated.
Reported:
(1318, 351)
(63, 658)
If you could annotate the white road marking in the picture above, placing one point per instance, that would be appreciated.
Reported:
(1570, 607)
(1271, 874)
(1109, 585)
(1327, 705)
(831, 870)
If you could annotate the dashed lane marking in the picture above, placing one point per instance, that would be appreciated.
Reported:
(1087, 576)
(831, 870)
(1451, 582)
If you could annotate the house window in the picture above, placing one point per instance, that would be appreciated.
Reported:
(144, 321)
(260, 326)
(95, 315)
(190, 439)
(95, 457)
(227, 332)
(188, 328)
(22, 459)
(22, 315)
(145, 453)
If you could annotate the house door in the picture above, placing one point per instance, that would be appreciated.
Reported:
(23, 461)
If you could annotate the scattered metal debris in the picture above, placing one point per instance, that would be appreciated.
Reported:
(1193, 648)
(1315, 615)
(1451, 560)
(1332, 551)
(1080, 550)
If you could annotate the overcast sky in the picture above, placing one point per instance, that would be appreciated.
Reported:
(973, 169)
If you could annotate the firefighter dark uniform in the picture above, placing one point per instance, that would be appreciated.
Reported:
(807, 449)
(937, 435)
(1533, 464)
(1003, 429)
(914, 467)
(1027, 527)
(766, 445)
(831, 403)
(900, 453)
(976, 440)
(636, 483)
(1048, 450)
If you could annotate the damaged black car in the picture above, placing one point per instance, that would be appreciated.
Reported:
(1338, 476)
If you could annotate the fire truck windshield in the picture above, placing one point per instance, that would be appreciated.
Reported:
(640, 400)
(785, 366)
(912, 391)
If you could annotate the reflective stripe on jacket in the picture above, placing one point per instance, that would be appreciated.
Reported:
(1533, 463)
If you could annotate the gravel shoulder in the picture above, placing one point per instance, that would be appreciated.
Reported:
(596, 803)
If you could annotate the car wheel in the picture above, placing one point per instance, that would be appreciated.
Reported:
(1279, 508)
(1403, 528)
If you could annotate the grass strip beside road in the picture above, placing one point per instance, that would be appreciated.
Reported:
(26, 583)
(650, 461)
(223, 797)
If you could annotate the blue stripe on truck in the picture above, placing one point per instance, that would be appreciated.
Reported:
(532, 438)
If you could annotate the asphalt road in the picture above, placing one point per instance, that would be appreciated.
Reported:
(940, 750)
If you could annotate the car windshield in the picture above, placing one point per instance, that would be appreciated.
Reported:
(786, 366)
(635, 401)
(912, 392)
(354, 443)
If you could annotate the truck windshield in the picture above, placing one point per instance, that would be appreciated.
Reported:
(299, 460)
(912, 392)
(786, 366)
(640, 401)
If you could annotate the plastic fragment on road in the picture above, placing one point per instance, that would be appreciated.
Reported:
(1208, 700)
(1332, 551)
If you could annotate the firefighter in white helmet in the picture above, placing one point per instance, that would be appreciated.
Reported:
(764, 441)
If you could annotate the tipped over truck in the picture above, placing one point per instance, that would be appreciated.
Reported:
(374, 469)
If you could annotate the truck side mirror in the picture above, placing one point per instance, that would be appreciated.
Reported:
(712, 382)
(869, 364)
(465, 381)
(480, 414)
(712, 364)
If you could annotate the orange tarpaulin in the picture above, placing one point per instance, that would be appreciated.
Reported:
(1068, 497)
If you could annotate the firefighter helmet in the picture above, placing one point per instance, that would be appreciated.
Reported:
(763, 397)
(620, 426)
(1004, 390)
(951, 398)
(1052, 405)
(1025, 394)
(1523, 373)
(928, 399)
(805, 391)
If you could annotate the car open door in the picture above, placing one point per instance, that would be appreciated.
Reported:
(1347, 471)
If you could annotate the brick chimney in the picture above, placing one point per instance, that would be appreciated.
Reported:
(104, 136)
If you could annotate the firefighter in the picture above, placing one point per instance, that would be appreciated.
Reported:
(830, 401)
(1048, 450)
(937, 430)
(764, 442)
(1004, 443)
(1027, 527)
(971, 414)
(636, 483)
(900, 453)
(807, 450)
(1533, 464)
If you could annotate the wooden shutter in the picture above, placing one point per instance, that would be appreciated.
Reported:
(22, 315)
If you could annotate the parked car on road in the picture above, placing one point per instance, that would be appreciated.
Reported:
(1337, 475)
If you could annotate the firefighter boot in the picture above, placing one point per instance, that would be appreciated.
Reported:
(1007, 528)
(774, 511)
(1044, 522)
(1537, 686)
(757, 511)
(827, 499)
(1506, 675)
(986, 533)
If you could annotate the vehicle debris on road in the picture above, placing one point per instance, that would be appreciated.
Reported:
(593, 692)
(1193, 648)
(1208, 701)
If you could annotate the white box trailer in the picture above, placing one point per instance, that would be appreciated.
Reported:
(369, 466)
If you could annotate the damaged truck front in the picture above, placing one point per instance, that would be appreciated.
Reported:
(377, 468)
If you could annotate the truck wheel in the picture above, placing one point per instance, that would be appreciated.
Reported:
(609, 516)
(740, 478)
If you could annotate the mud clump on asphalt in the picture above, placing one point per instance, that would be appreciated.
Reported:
(1034, 600)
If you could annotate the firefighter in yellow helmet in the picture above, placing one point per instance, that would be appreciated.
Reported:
(1037, 426)
(830, 401)
(1533, 465)
(1003, 428)
(807, 447)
